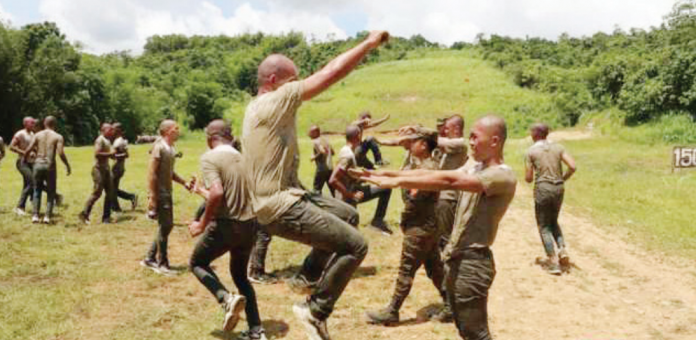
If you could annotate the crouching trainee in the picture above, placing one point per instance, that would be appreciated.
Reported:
(228, 225)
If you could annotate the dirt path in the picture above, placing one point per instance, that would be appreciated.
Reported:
(617, 291)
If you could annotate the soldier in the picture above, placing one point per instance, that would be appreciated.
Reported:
(453, 155)
(101, 176)
(370, 143)
(352, 192)
(25, 163)
(421, 235)
(161, 174)
(119, 169)
(544, 160)
(46, 144)
(228, 225)
(322, 157)
(487, 188)
(271, 154)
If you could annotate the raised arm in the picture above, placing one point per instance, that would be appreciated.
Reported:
(338, 68)
(374, 123)
(570, 163)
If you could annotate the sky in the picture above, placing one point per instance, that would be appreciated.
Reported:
(104, 26)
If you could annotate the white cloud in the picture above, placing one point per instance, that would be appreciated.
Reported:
(125, 24)
(5, 17)
(104, 26)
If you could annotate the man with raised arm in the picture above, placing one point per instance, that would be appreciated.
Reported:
(101, 176)
(370, 143)
(46, 144)
(271, 153)
(228, 225)
(487, 188)
(350, 190)
(25, 164)
(322, 156)
(119, 169)
(544, 159)
(161, 174)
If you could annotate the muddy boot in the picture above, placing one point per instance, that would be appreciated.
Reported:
(387, 316)
(444, 315)
(552, 266)
(563, 259)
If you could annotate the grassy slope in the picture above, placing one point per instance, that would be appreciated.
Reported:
(74, 282)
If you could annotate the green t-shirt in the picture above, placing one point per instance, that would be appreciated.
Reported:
(419, 205)
(165, 155)
(545, 157)
(225, 165)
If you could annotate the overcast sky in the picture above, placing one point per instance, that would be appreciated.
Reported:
(108, 25)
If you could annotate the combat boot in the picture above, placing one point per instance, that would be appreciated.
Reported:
(387, 316)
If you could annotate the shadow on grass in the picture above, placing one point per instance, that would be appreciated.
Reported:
(274, 329)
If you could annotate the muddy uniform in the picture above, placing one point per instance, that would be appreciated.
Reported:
(421, 239)
(453, 155)
(347, 160)
(322, 150)
(270, 152)
(545, 158)
(101, 179)
(25, 166)
(117, 171)
(164, 155)
(471, 268)
(48, 142)
(232, 232)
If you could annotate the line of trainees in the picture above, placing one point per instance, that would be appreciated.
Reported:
(453, 204)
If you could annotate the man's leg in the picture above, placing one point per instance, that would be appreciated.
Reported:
(318, 181)
(318, 260)
(307, 223)
(371, 192)
(97, 188)
(25, 169)
(239, 260)
(51, 185)
(467, 284)
(109, 194)
(361, 156)
(372, 145)
(411, 259)
(257, 267)
(38, 180)
(165, 220)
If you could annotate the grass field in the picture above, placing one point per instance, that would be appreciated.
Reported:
(70, 281)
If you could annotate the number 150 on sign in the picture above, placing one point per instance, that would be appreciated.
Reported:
(684, 157)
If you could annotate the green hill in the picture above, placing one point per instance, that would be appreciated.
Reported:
(422, 88)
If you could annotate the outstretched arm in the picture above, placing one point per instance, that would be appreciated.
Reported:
(570, 163)
(431, 180)
(374, 123)
(338, 68)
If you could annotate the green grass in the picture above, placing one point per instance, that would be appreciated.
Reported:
(629, 186)
(69, 281)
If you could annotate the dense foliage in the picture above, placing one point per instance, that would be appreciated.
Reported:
(191, 79)
(647, 74)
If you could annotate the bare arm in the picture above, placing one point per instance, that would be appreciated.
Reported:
(61, 151)
(338, 68)
(431, 180)
(212, 203)
(528, 172)
(374, 123)
(336, 182)
(26, 151)
(14, 147)
(570, 163)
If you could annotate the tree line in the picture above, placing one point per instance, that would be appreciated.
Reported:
(190, 79)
